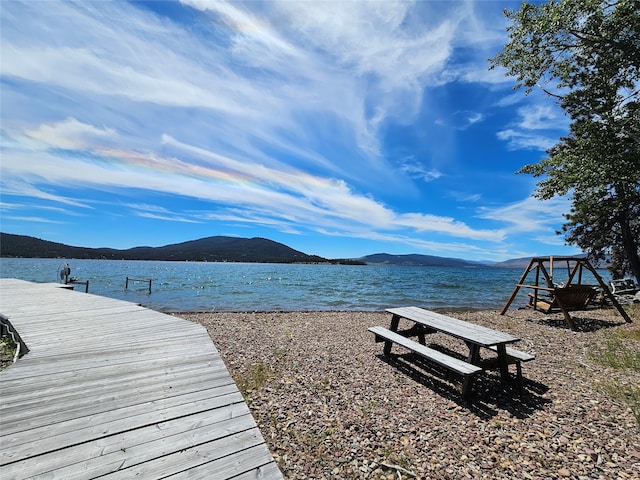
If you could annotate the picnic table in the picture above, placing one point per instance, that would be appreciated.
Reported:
(474, 336)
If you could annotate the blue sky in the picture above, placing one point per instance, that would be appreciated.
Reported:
(338, 128)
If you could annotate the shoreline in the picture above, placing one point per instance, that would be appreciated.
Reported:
(330, 406)
(337, 310)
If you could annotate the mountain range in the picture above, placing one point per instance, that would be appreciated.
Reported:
(221, 249)
(415, 259)
(211, 249)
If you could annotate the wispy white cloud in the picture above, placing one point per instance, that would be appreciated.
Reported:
(373, 38)
(530, 227)
(421, 244)
(293, 195)
(529, 215)
(541, 117)
(270, 114)
(448, 226)
(538, 125)
(44, 208)
(416, 170)
(168, 218)
(357, 62)
(523, 140)
(117, 50)
(70, 134)
(24, 184)
(554, 241)
(159, 213)
(480, 74)
(460, 120)
(32, 219)
(465, 196)
(509, 100)
(362, 61)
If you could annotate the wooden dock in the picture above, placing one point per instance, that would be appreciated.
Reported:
(113, 390)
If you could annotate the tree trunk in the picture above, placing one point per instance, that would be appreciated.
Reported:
(631, 247)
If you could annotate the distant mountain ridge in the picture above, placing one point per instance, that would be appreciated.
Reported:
(210, 249)
(416, 260)
(524, 261)
(224, 249)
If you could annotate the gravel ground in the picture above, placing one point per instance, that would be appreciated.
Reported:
(330, 406)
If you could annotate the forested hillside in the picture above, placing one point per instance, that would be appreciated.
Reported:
(211, 249)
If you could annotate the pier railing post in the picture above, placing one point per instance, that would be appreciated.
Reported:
(127, 279)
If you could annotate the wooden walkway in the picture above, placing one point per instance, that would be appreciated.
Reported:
(110, 389)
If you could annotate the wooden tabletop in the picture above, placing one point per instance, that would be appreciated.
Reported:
(470, 332)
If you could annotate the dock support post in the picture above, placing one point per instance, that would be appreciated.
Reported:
(126, 283)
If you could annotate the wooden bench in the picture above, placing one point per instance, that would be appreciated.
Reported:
(542, 303)
(573, 297)
(517, 357)
(466, 370)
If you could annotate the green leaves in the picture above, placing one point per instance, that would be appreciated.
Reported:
(585, 54)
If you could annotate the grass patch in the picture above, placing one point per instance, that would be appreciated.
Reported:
(630, 394)
(631, 335)
(621, 351)
(254, 379)
(258, 375)
(634, 311)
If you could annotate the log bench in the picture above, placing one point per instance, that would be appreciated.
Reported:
(464, 369)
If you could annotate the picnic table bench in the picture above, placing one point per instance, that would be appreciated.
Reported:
(474, 336)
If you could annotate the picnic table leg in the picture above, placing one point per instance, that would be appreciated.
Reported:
(466, 386)
(473, 358)
(395, 322)
(519, 376)
(503, 361)
(474, 354)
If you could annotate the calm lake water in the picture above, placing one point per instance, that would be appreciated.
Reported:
(195, 286)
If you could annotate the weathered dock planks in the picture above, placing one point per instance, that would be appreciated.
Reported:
(111, 389)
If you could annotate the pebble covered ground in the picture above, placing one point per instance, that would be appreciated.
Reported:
(330, 406)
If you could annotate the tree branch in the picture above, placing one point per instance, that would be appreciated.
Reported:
(554, 95)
